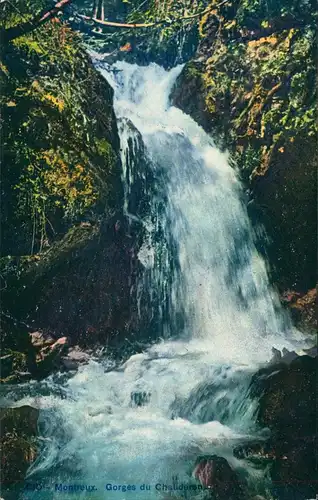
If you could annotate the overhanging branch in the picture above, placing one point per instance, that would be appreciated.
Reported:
(28, 26)
(167, 22)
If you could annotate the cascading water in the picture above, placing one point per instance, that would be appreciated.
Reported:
(149, 419)
(220, 285)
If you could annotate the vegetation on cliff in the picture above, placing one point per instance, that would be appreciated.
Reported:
(151, 31)
(60, 166)
(253, 84)
(57, 157)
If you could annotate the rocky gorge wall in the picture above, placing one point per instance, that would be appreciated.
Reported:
(63, 226)
(252, 86)
(68, 254)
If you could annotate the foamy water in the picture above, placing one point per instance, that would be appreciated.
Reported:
(192, 387)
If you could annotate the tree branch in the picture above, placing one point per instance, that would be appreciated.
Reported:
(149, 25)
(22, 29)
(27, 27)
(116, 25)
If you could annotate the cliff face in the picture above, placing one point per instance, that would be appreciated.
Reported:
(66, 267)
(252, 85)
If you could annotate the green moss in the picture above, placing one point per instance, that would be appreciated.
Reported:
(257, 96)
(58, 161)
(192, 71)
(60, 170)
(247, 160)
(260, 91)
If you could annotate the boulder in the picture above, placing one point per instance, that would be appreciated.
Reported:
(286, 395)
(74, 358)
(216, 474)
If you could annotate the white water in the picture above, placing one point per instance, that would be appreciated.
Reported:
(198, 384)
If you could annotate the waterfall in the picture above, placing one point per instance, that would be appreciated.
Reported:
(218, 284)
(146, 421)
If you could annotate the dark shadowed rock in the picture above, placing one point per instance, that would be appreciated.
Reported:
(139, 398)
(287, 395)
(277, 355)
(18, 353)
(288, 356)
(18, 443)
(312, 352)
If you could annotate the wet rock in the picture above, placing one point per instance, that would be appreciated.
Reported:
(288, 356)
(258, 453)
(139, 398)
(18, 443)
(283, 357)
(50, 357)
(286, 393)
(277, 356)
(215, 473)
(312, 352)
(303, 310)
(74, 358)
(102, 410)
(40, 339)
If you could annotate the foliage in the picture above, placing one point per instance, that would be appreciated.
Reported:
(252, 13)
(171, 41)
(56, 156)
(257, 96)
(168, 42)
(262, 86)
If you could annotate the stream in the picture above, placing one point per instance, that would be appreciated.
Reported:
(143, 424)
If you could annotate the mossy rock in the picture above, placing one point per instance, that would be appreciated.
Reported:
(253, 88)
(60, 161)
(74, 290)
